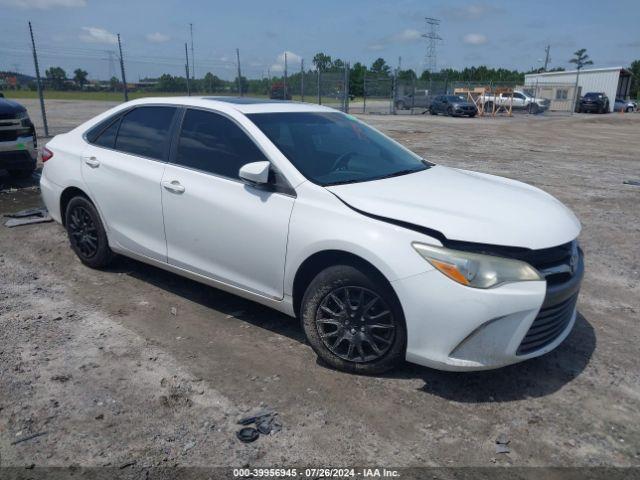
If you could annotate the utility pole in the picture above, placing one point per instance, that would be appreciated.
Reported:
(346, 87)
(186, 68)
(239, 73)
(124, 80)
(284, 87)
(193, 60)
(319, 92)
(39, 83)
(547, 58)
(302, 80)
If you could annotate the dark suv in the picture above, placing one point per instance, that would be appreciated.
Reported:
(18, 152)
(593, 102)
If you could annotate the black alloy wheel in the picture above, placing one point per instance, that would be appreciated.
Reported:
(83, 232)
(355, 324)
(353, 320)
(86, 233)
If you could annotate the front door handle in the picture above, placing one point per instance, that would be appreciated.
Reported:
(173, 186)
(93, 162)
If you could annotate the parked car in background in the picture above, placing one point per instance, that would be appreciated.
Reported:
(596, 102)
(518, 100)
(383, 255)
(277, 92)
(417, 99)
(621, 105)
(18, 144)
(452, 105)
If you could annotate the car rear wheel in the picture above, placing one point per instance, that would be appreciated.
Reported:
(353, 320)
(87, 234)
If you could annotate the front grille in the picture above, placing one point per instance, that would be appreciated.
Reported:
(8, 116)
(548, 325)
(8, 135)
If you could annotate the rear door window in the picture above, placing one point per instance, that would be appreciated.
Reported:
(108, 136)
(144, 131)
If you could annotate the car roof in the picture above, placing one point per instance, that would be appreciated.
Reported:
(246, 105)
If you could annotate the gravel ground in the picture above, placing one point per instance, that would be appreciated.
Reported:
(133, 364)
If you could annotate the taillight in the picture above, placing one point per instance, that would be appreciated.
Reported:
(46, 154)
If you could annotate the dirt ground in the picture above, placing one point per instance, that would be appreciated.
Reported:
(133, 364)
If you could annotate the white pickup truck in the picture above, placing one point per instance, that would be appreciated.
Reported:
(521, 101)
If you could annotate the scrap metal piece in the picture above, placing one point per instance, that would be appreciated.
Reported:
(247, 434)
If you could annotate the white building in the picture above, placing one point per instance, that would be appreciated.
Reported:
(614, 82)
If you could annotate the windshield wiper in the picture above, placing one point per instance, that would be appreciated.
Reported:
(398, 173)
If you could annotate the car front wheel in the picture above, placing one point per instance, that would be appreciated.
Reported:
(353, 320)
(86, 233)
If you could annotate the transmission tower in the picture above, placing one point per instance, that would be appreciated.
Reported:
(111, 63)
(432, 41)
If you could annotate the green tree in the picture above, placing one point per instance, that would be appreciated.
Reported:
(211, 83)
(322, 61)
(114, 83)
(80, 76)
(379, 66)
(635, 80)
(581, 59)
(56, 78)
(357, 78)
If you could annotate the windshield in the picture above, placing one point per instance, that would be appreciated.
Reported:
(331, 148)
(455, 98)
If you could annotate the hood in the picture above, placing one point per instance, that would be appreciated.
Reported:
(10, 107)
(467, 206)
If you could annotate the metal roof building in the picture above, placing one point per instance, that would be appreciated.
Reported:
(613, 82)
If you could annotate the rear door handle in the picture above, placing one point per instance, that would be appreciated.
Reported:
(173, 186)
(93, 162)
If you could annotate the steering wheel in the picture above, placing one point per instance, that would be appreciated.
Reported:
(342, 161)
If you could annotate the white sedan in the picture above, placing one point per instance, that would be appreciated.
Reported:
(383, 256)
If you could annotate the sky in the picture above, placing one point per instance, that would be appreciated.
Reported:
(496, 33)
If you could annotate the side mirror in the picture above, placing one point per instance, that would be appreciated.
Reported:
(256, 173)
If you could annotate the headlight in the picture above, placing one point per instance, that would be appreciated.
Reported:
(22, 115)
(476, 270)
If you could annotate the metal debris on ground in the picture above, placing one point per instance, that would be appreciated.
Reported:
(501, 443)
(247, 434)
(632, 182)
(27, 217)
(29, 437)
(265, 422)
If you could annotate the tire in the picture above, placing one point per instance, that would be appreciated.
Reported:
(400, 105)
(22, 173)
(629, 109)
(432, 111)
(472, 115)
(86, 233)
(488, 107)
(347, 343)
(450, 111)
(533, 108)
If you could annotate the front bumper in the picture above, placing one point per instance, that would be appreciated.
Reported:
(591, 107)
(17, 154)
(453, 327)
